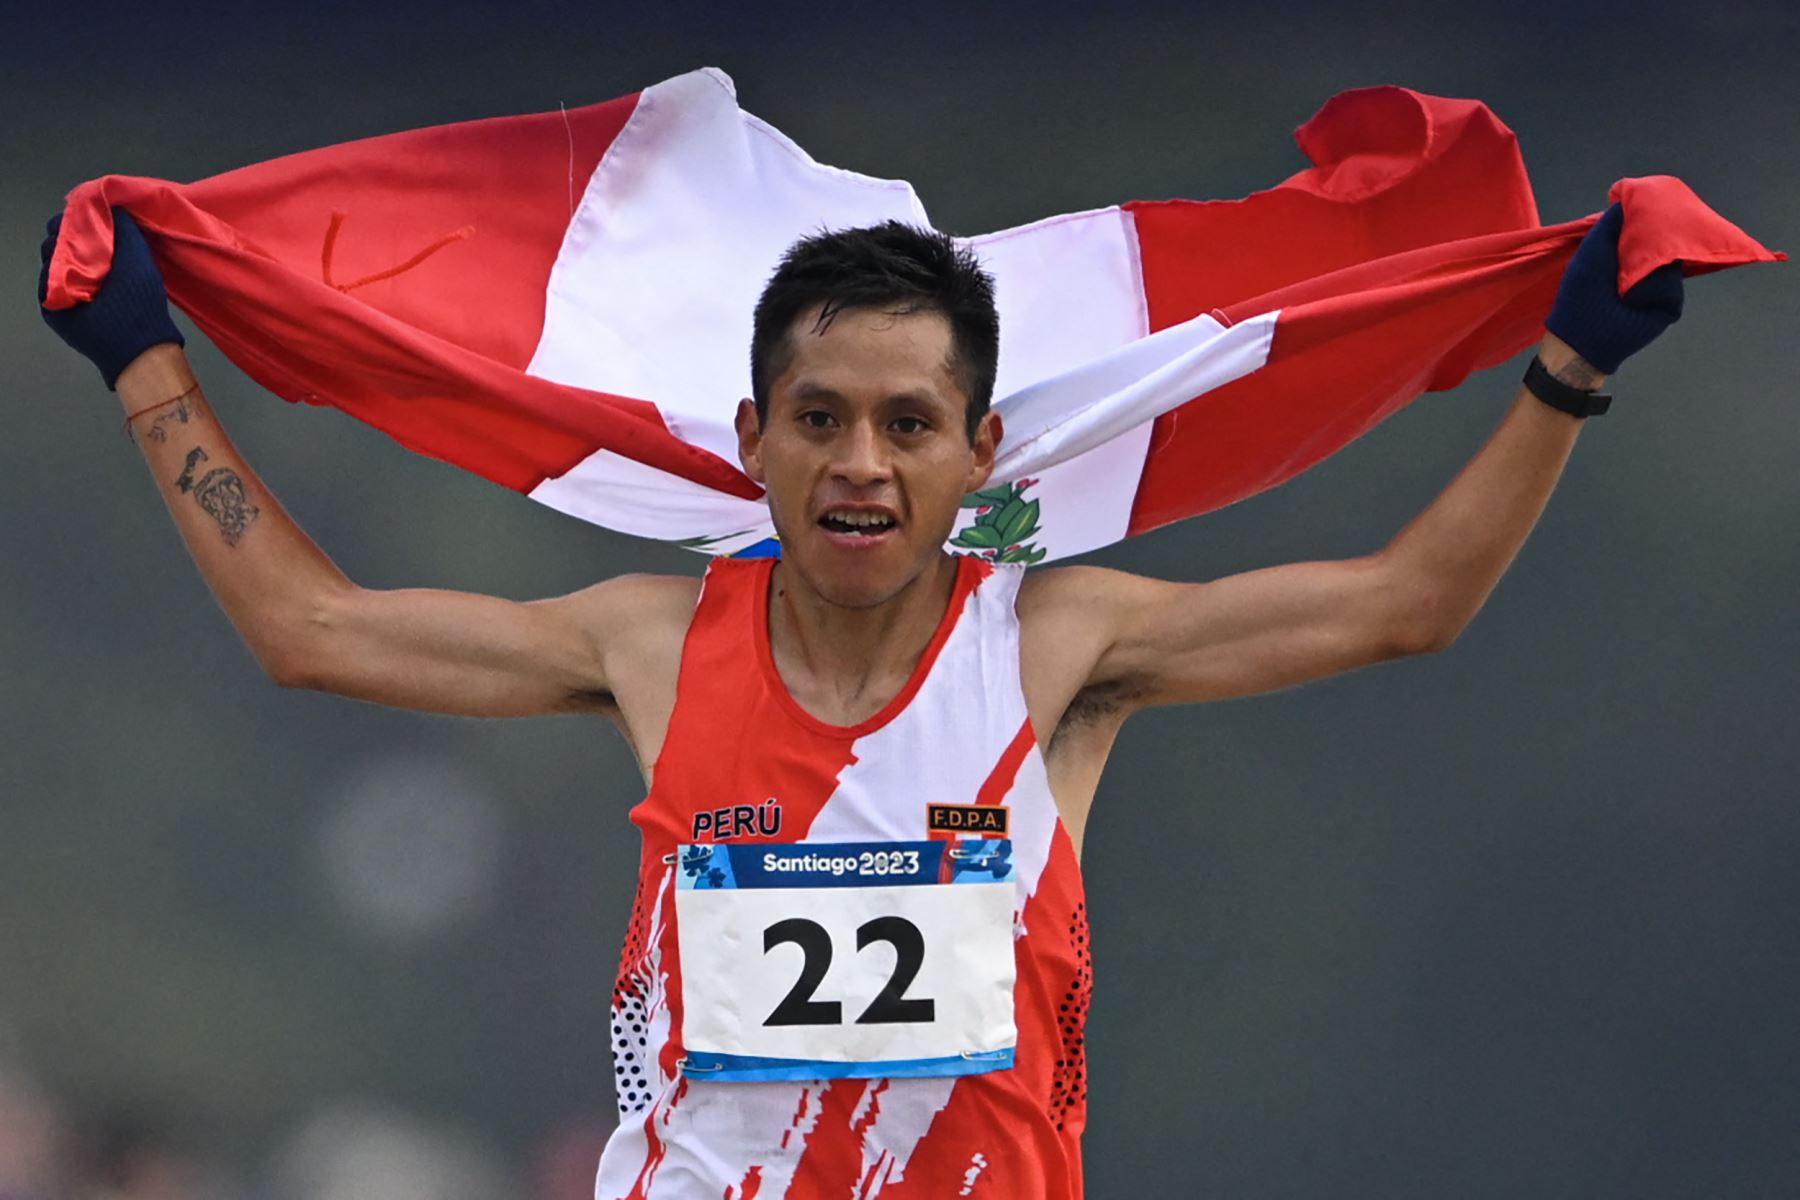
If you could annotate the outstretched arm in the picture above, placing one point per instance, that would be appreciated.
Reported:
(1177, 643)
(1151, 642)
(307, 624)
(310, 626)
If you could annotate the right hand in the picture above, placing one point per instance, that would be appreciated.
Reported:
(129, 314)
(1603, 327)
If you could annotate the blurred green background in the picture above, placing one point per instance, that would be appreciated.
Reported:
(1519, 919)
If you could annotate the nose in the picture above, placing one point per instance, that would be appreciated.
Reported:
(862, 457)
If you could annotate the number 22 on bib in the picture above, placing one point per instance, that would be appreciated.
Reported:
(845, 960)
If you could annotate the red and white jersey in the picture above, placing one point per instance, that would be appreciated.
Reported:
(744, 762)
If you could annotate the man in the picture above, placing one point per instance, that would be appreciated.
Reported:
(858, 961)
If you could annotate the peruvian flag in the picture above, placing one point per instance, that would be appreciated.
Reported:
(562, 303)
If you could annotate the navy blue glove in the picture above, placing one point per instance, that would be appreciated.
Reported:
(1602, 326)
(130, 313)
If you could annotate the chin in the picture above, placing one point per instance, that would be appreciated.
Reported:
(856, 585)
(864, 589)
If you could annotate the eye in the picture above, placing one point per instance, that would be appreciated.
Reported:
(907, 426)
(816, 418)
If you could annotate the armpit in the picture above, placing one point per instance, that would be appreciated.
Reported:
(1102, 705)
(591, 700)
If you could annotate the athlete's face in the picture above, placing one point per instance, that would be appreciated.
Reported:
(865, 452)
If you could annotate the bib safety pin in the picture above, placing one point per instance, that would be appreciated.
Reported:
(681, 1064)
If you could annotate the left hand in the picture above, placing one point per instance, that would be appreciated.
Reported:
(130, 313)
(1603, 327)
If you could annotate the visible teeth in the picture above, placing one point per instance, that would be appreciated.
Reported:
(861, 520)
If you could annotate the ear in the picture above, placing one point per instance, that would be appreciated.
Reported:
(988, 432)
(749, 434)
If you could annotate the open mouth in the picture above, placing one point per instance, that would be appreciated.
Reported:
(857, 524)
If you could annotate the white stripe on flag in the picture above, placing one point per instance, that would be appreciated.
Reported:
(679, 229)
(680, 226)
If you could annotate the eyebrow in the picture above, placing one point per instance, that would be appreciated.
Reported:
(810, 390)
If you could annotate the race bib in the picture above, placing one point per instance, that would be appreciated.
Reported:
(845, 960)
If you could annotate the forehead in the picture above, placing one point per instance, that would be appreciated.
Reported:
(870, 353)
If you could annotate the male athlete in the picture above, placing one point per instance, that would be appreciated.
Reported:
(858, 963)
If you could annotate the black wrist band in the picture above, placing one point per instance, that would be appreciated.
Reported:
(1560, 396)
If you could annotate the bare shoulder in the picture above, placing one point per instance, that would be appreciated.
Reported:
(1068, 619)
(637, 625)
(634, 623)
(1095, 641)
(1071, 612)
(648, 598)
(1062, 591)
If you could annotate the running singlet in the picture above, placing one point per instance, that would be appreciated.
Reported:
(747, 776)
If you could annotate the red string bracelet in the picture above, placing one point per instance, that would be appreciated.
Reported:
(130, 417)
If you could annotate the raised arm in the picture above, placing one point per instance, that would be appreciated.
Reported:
(1151, 642)
(306, 623)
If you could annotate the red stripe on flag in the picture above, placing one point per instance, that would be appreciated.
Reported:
(1393, 170)
(1406, 257)
(400, 279)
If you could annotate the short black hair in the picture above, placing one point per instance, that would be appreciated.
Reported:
(895, 267)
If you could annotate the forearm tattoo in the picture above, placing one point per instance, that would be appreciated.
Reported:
(180, 412)
(221, 494)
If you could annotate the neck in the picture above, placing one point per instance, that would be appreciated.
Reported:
(845, 664)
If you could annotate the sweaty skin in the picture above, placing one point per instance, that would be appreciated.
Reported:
(865, 456)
